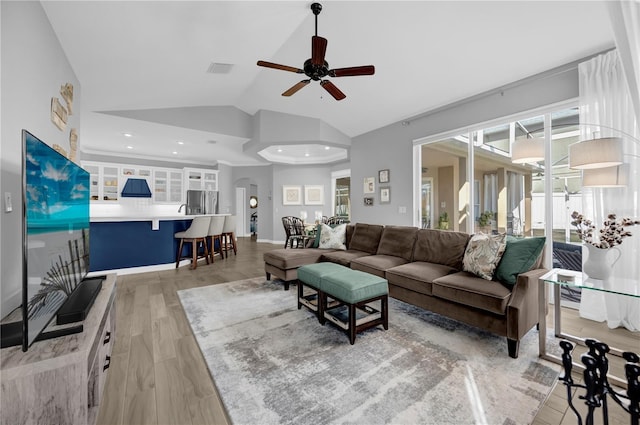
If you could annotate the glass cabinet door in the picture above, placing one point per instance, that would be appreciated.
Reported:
(94, 181)
(160, 186)
(110, 183)
(175, 186)
(210, 181)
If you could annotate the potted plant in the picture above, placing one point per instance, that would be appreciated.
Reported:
(485, 220)
(443, 221)
(598, 264)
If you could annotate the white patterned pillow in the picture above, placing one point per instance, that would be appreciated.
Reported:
(483, 254)
(333, 237)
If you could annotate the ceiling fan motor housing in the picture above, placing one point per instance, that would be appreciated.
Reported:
(316, 72)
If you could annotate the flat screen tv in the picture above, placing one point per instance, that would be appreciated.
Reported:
(55, 237)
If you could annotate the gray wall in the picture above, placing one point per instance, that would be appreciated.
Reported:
(298, 175)
(391, 146)
(34, 67)
(226, 191)
(262, 178)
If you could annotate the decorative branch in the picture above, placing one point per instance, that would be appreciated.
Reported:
(612, 234)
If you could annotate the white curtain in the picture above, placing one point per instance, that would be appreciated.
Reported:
(625, 23)
(606, 107)
(490, 193)
(515, 200)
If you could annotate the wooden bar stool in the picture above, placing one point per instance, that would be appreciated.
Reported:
(229, 234)
(196, 234)
(215, 234)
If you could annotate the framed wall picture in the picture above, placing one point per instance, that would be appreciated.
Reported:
(383, 176)
(368, 201)
(369, 185)
(385, 195)
(291, 195)
(313, 194)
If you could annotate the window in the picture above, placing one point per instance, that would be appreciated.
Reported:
(514, 194)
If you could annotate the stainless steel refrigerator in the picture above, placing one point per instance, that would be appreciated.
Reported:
(202, 202)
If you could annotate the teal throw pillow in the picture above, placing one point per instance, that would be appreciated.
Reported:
(519, 256)
(316, 241)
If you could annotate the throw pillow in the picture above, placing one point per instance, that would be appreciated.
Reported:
(316, 240)
(519, 256)
(333, 238)
(483, 253)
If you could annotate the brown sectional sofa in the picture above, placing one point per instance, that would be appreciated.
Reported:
(424, 268)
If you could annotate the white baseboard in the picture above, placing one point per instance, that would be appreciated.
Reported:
(142, 269)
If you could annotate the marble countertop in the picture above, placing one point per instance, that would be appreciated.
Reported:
(146, 217)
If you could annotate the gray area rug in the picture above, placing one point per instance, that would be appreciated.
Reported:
(275, 364)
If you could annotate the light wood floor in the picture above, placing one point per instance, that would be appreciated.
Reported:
(158, 375)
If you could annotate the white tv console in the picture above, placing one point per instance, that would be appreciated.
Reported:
(60, 380)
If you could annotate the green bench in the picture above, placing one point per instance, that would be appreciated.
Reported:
(344, 297)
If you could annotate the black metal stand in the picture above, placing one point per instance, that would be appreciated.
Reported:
(597, 385)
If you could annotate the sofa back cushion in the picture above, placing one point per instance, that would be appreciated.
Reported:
(398, 241)
(366, 237)
(350, 229)
(440, 247)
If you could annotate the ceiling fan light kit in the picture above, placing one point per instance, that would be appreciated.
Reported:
(317, 68)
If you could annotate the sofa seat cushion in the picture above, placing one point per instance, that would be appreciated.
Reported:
(377, 264)
(471, 290)
(343, 258)
(417, 276)
(286, 259)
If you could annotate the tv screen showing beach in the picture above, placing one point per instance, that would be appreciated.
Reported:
(56, 202)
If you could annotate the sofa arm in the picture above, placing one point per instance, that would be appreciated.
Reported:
(522, 310)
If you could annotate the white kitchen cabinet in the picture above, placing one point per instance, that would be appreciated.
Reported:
(200, 179)
(134, 171)
(104, 181)
(167, 186)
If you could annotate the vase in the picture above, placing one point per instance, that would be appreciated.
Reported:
(600, 261)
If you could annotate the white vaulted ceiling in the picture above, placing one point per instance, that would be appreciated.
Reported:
(154, 56)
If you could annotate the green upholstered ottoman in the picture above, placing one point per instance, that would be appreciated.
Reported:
(310, 276)
(355, 292)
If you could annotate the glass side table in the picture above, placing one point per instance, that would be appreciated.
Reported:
(555, 279)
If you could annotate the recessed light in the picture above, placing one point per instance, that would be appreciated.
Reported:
(129, 147)
(127, 134)
(279, 150)
(174, 152)
(180, 143)
(306, 154)
(326, 148)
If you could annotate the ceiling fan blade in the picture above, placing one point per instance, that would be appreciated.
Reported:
(281, 67)
(318, 50)
(295, 88)
(332, 89)
(353, 71)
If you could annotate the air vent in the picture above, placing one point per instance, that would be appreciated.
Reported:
(219, 68)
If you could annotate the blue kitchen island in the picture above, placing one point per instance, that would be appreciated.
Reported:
(125, 242)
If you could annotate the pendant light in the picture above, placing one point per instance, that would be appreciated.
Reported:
(527, 150)
(596, 153)
(606, 177)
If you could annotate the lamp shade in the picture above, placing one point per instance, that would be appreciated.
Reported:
(596, 153)
(606, 177)
(525, 151)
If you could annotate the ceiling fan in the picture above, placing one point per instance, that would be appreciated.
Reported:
(316, 68)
